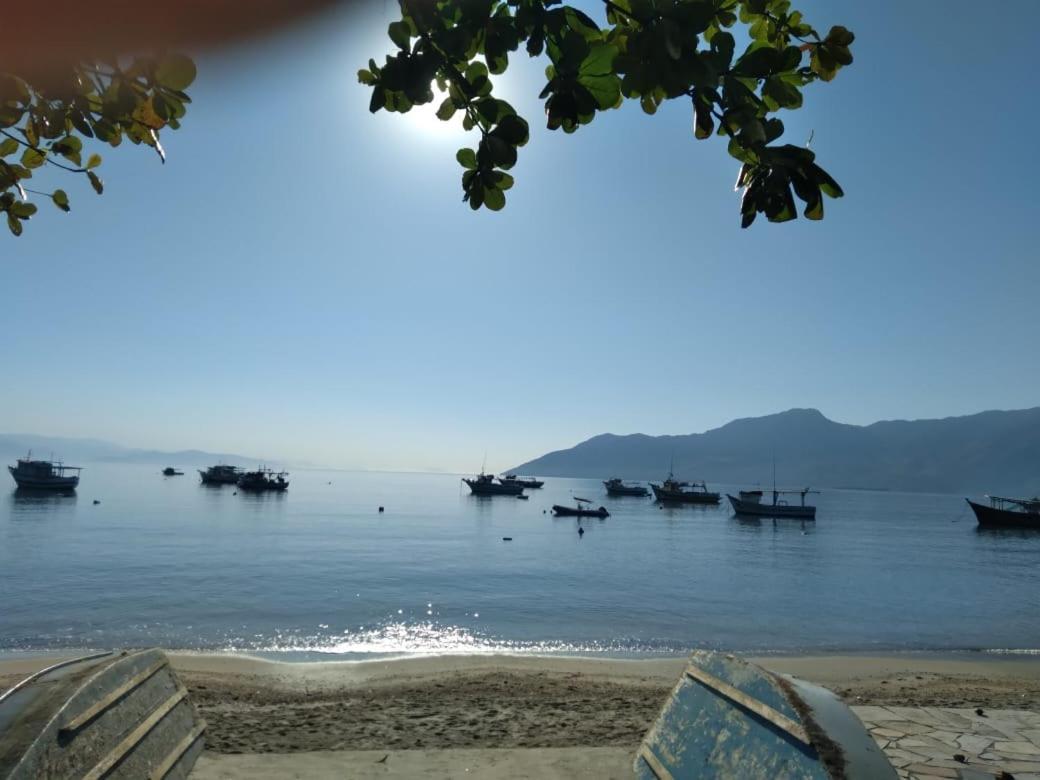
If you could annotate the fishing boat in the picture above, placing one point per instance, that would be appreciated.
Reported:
(674, 491)
(485, 485)
(44, 474)
(727, 718)
(524, 482)
(120, 716)
(220, 475)
(616, 487)
(1007, 512)
(750, 503)
(264, 479)
(582, 508)
(170, 471)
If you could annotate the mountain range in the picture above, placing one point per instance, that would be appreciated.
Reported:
(990, 452)
(73, 450)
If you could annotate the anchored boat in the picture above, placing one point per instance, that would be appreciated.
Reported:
(485, 485)
(582, 508)
(674, 491)
(107, 715)
(44, 474)
(730, 719)
(170, 471)
(616, 487)
(1007, 512)
(221, 475)
(264, 479)
(524, 482)
(750, 503)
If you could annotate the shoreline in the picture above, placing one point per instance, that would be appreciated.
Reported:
(508, 702)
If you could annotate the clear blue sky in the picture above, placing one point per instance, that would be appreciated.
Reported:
(301, 280)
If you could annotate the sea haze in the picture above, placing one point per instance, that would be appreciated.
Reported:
(318, 572)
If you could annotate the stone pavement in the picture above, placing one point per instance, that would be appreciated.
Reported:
(926, 742)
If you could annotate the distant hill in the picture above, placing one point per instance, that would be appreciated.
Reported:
(13, 445)
(990, 452)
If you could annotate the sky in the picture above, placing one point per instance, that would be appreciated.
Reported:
(302, 281)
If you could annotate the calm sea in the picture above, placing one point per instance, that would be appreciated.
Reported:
(319, 573)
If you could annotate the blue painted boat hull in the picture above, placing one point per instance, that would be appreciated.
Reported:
(730, 719)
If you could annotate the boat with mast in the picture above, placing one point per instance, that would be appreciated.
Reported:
(485, 485)
(750, 503)
(1005, 512)
(617, 487)
(44, 474)
(677, 492)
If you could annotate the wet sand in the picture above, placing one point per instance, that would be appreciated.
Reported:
(508, 702)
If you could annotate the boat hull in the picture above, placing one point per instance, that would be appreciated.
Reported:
(43, 483)
(684, 497)
(493, 488)
(727, 718)
(570, 511)
(991, 517)
(212, 480)
(113, 715)
(627, 490)
(755, 509)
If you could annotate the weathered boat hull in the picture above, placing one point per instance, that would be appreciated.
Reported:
(730, 719)
(684, 497)
(44, 483)
(756, 509)
(992, 517)
(493, 488)
(570, 511)
(120, 716)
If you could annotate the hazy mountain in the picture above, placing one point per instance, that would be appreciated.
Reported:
(990, 452)
(13, 445)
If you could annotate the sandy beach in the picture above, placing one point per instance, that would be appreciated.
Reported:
(507, 702)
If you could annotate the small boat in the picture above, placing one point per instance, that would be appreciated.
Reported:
(583, 508)
(220, 475)
(729, 718)
(616, 487)
(170, 471)
(120, 716)
(264, 479)
(524, 482)
(44, 474)
(1007, 512)
(674, 491)
(485, 485)
(750, 503)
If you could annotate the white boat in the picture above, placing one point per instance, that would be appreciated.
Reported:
(44, 474)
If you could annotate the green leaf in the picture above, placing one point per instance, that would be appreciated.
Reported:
(33, 158)
(447, 110)
(494, 199)
(400, 34)
(22, 210)
(61, 200)
(175, 71)
(8, 146)
(95, 182)
(597, 75)
(14, 224)
(93, 161)
(467, 158)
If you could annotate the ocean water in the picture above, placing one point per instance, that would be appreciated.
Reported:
(319, 573)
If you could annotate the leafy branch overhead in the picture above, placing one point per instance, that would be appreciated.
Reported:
(647, 50)
(45, 128)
